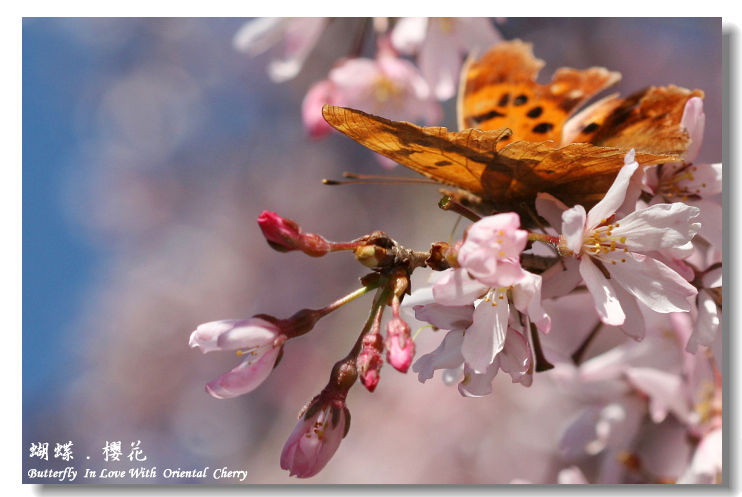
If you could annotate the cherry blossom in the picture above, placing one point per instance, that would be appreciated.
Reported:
(316, 438)
(255, 338)
(688, 182)
(614, 256)
(387, 85)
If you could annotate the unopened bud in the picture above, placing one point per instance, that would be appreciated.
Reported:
(369, 361)
(373, 255)
(285, 235)
(399, 344)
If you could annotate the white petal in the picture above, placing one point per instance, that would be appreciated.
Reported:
(446, 356)
(660, 226)
(573, 227)
(260, 34)
(486, 336)
(409, 33)
(615, 195)
(654, 284)
(707, 323)
(606, 302)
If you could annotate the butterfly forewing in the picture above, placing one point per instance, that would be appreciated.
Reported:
(469, 159)
(457, 159)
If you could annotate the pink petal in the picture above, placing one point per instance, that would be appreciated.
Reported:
(707, 323)
(515, 357)
(477, 384)
(445, 317)
(551, 209)
(665, 391)
(694, 121)
(246, 377)
(457, 288)
(440, 64)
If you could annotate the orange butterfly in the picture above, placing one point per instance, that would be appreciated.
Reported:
(523, 138)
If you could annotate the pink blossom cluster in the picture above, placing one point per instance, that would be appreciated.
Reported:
(646, 262)
(648, 268)
(389, 84)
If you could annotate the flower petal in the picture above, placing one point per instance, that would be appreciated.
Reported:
(659, 226)
(654, 284)
(446, 356)
(457, 288)
(615, 195)
(486, 336)
(604, 296)
(246, 377)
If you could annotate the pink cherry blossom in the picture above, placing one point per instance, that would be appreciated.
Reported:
(315, 439)
(614, 260)
(258, 340)
(440, 44)
(486, 336)
(387, 86)
(691, 183)
(491, 249)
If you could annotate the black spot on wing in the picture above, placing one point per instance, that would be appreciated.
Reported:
(535, 112)
(543, 128)
(590, 128)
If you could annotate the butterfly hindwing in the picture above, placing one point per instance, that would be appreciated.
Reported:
(500, 91)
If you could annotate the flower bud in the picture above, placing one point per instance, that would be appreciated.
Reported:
(399, 344)
(369, 361)
(285, 235)
(316, 437)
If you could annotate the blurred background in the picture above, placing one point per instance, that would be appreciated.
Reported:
(150, 147)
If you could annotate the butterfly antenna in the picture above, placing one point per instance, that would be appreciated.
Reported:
(374, 179)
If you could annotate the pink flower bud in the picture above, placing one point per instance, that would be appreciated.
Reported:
(315, 438)
(285, 235)
(282, 234)
(369, 360)
(399, 344)
(258, 340)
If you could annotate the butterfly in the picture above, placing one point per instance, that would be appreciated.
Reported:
(520, 138)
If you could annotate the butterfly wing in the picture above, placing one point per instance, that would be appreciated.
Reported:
(457, 159)
(500, 91)
(649, 120)
(470, 159)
